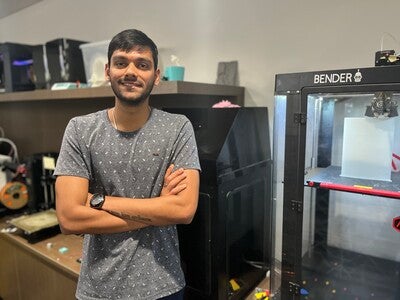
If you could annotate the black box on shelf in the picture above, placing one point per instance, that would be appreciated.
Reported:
(59, 60)
(16, 72)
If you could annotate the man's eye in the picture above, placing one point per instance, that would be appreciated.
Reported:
(120, 64)
(144, 66)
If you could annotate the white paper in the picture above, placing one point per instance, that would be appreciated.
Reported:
(367, 148)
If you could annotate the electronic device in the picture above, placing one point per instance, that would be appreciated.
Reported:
(382, 106)
(40, 181)
(59, 60)
(229, 255)
(16, 71)
(37, 226)
(30, 192)
(97, 201)
(386, 58)
(336, 184)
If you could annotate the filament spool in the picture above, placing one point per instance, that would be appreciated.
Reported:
(14, 195)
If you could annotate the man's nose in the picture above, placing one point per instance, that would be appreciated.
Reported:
(131, 70)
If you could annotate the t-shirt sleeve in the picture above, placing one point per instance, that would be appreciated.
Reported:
(186, 154)
(73, 157)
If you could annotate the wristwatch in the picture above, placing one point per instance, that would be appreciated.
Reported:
(97, 201)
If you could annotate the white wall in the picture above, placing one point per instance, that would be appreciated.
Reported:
(266, 36)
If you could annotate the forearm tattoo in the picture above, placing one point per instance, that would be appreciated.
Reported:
(137, 218)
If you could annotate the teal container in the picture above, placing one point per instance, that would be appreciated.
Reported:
(174, 73)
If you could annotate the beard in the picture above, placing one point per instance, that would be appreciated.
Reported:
(134, 100)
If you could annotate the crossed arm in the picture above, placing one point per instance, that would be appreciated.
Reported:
(176, 205)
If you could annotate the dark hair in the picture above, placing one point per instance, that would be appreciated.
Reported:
(128, 39)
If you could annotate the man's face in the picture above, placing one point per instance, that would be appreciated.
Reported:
(132, 75)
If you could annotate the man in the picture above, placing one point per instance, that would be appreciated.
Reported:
(116, 184)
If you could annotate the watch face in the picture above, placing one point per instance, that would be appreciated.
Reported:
(97, 201)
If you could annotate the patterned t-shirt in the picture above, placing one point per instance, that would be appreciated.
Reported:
(139, 264)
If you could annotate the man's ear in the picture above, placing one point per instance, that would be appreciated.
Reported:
(158, 78)
(107, 72)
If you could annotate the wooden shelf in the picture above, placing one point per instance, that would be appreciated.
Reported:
(164, 88)
(35, 120)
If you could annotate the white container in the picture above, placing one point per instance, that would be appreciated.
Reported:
(94, 60)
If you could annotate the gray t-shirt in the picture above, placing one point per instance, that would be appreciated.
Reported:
(139, 264)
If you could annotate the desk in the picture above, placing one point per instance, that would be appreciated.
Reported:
(36, 271)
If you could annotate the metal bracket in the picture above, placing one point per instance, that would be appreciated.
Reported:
(300, 118)
(294, 288)
(296, 205)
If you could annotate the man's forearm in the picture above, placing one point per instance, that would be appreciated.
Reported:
(92, 221)
(158, 211)
(126, 216)
(178, 208)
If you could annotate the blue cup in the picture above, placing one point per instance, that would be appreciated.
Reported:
(174, 73)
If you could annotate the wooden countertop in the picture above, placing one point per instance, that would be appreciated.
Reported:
(49, 249)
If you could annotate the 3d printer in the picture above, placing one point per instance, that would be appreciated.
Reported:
(27, 191)
(16, 72)
(337, 184)
(225, 250)
(29, 185)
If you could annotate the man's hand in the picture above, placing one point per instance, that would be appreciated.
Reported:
(174, 181)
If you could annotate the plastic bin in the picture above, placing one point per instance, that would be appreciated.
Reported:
(94, 59)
